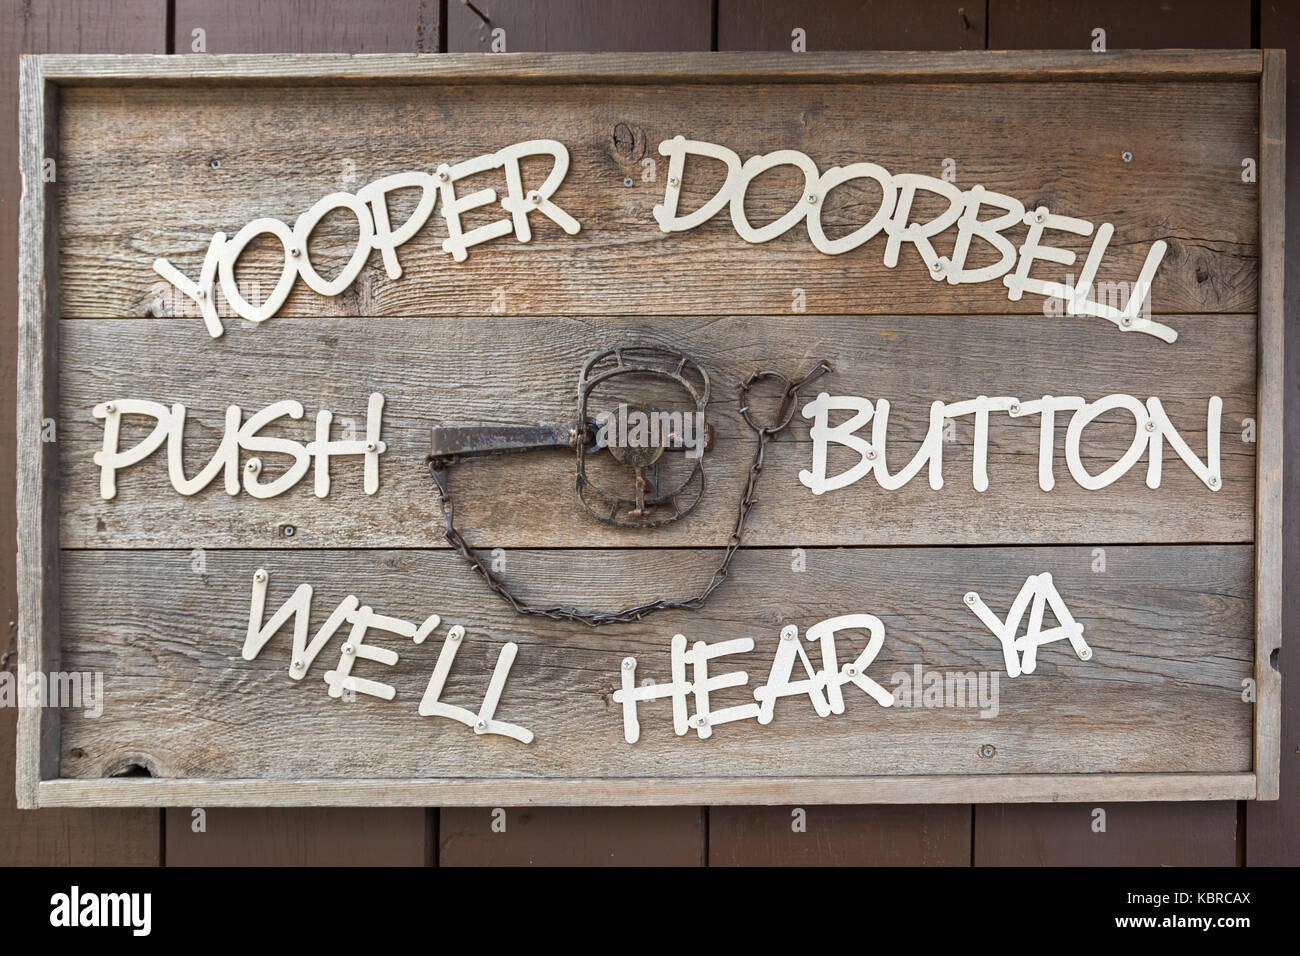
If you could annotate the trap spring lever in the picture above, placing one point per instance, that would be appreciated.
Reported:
(451, 444)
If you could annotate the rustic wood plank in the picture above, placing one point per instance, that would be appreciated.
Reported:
(1272, 167)
(307, 837)
(137, 191)
(321, 836)
(1135, 834)
(78, 836)
(648, 791)
(658, 68)
(37, 562)
(938, 835)
(917, 25)
(466, 370)
(1273, 828)
(587, 25)
(1170, 628)
(306, 26)
(849, 834)
(1060, 24)
(566, 836)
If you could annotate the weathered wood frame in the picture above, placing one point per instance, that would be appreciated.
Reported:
(38, 780)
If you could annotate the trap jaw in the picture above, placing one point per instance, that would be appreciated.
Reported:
(655, 499)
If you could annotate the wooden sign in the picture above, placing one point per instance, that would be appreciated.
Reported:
(1007, 478)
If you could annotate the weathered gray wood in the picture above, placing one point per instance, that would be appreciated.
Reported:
(1170, 628)
(136, 191)
(648, 791)
(656, 68)
(1272, 177)
(38, 506)
(465, 370)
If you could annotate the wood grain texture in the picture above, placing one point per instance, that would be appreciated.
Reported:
(657, 68)
(646, 791)
(82, 837)
(138, 166)
(1170, 629)
(587, 25)
(305, 836)
(568, 836)
(302, 836)
(1272, 321)
(1062, 25)
(1135, 834)
(917, 25)
(306, 26)
(1273, 828)
(938, 835)
(458, 371)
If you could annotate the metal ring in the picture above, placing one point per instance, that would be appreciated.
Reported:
(788, 400)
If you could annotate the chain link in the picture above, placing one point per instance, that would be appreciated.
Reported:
(764, 434)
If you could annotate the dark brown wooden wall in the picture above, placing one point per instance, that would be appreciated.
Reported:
(1152, 834)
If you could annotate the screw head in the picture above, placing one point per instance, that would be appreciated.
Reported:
(971, 597)
(295, 252)
(627, 180)
(456, 633)
(1126, 322)
(1040, 214)
(1214, 481)
(674, 182)
(787, 635)
(871, 454)
(289, 531)
(629, 663)
(443, 176)
(1150, 425)
(812, 199)
(259, 574)
(349, 649)
(1085, 654)
(371, 446)
(480, 725)
(534, 197)
(1015, 408)
(850, 670)
(253, 464)
(1126, 156)
(988, 750)
(703, 722)
(298, 665)
(110, 407)
(215, 164)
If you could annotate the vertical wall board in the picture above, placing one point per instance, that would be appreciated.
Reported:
(846, 836)
(571, 836)
(306, 26)
(840, 836)
(82, 837)
(559, 835)
(915, 25)
(1050, 834)
(1113, 834)
(578, 26)
(1128, 24)
(306, 836)
(1273, 829)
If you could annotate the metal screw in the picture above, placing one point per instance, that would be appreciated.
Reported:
(936, 266)
(1015, 408)
(971, 597)
(456, 633)
(295, 252)
(481, 725)
(110, 407)
(1085, 654)
(988, 750)
(443, 175)
(534, 197)
(371, 446)
(628, 663)
(1214, 481)
(349, 649)
(812, 199)
(871, 454)
(298, 665)
(1126, 322)
(1040, 214)
(259, 574)
(674, 182)
(703, 722)
(215, 164)
(1126, 156)
(253, 465)
(627, 180)
(787, 635)
(850, 670)
(289, 531)
(1150, 425)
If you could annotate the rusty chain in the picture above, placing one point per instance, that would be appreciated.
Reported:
(764, 433)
